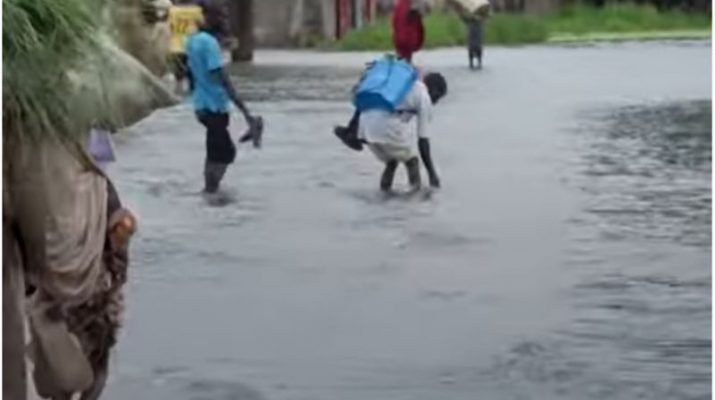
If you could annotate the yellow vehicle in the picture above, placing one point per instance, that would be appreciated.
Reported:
(183, 21)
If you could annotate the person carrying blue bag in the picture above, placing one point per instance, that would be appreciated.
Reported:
(393, 106)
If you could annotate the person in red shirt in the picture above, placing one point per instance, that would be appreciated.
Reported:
(408, 32)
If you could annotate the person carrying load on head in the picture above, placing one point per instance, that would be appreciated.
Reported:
(474, 13)
(475, 34)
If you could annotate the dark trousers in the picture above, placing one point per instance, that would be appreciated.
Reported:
(349, 134)
(353, 124)
(220, 149)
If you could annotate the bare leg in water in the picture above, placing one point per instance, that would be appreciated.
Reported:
(388, 175)
(413, 173)
(213, 174)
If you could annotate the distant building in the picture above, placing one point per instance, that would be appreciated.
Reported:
(280, 23)
(297, 23)
(527, 6)
(290, 23)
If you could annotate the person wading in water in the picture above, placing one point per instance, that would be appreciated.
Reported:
(211, 93)
(408, 37)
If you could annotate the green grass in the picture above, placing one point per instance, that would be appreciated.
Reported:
(572, 22)
(511, 29)
(42, 40)
(622, 18)
(375, 36)
(621, 36)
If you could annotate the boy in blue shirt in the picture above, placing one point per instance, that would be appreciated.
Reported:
(211, 92)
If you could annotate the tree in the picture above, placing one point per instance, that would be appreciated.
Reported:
(61, 74)
(241, 14)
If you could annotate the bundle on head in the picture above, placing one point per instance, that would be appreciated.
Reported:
(472, 9)
(62, 71)
(59, 78)
(42, 41)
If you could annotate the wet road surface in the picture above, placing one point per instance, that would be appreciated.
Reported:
(566, 257)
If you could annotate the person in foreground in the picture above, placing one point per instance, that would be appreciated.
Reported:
(211, 92)
(398, 136)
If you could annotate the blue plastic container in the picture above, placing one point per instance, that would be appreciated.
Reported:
(384, 84)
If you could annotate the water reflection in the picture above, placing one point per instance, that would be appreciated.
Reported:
(586, 282)
(642, 326)
(648, 173)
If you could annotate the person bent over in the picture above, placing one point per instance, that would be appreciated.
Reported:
(401, 137)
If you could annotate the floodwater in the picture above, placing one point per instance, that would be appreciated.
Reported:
(567, 255)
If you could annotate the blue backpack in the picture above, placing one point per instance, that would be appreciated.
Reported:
(384, 84)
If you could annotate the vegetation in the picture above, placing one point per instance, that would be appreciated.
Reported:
(574, 21)
(623, 17)
(42, 41)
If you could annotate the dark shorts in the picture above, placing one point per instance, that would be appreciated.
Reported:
(219, 145)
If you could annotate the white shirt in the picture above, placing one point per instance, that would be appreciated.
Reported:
(400, 128)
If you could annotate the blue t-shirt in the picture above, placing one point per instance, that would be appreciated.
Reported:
(203, 55)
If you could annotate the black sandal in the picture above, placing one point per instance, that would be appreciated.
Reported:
(348, 138)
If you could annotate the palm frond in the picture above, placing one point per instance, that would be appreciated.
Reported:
(42, 41)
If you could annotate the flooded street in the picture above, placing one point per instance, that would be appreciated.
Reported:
(567, 255)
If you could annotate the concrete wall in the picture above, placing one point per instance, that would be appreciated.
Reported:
(281, 23)
(272, 21)
(528, 6)
(289, 23)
